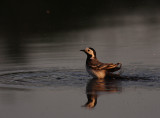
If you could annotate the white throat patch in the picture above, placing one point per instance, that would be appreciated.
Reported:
(92, 57)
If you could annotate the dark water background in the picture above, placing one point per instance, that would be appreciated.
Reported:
(42, 71)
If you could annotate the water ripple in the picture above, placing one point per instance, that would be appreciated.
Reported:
(45, 78)
(68, 77)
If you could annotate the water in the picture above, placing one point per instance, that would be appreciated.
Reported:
(43, 75)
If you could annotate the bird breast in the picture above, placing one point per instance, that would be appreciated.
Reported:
(96, 73)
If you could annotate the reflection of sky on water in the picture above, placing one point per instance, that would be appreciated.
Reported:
(66, 102)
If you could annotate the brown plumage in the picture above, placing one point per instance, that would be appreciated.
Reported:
(96, 68)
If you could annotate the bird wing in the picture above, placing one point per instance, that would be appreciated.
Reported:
(105, 66)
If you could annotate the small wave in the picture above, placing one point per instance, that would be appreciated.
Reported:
(45, 78)
(69, 77)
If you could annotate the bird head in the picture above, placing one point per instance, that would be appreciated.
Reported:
(91, 53)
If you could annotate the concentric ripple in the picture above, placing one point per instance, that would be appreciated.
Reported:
(76, 78)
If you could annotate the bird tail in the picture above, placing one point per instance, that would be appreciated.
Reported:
(118, 67)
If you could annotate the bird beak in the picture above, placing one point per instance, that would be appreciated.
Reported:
(82, 50)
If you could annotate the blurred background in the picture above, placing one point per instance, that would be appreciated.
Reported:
(50, 33)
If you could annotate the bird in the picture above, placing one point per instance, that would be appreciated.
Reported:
(96, 68)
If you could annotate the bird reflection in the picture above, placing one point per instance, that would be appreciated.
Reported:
(96, 86)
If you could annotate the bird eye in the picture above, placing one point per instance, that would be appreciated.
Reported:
(88, 50)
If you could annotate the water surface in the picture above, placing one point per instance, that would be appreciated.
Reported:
(43, 75)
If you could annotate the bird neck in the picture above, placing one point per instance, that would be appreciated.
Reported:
(90, 58)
